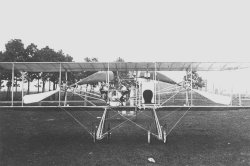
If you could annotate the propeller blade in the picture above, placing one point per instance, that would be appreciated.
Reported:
(33, 98)
(220, 99)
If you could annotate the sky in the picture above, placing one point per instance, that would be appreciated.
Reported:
(135, 30)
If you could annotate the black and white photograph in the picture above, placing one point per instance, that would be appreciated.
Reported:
(124, 83)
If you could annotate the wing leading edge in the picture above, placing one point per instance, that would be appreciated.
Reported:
(122, 66)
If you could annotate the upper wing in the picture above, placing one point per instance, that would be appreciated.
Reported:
(122, 66)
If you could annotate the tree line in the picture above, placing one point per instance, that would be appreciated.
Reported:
(15, 51)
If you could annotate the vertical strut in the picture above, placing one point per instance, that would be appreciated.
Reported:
(159, 95)
(136, 104)
(66, 84)
(60, 80)
(155, 86)
(12, 85)
(108, 85)
(187, 102)
(22, 86)
(191, 102)
(240, 104)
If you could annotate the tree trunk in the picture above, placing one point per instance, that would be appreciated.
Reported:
(38, 85)
(49, 85)
(8, 93)
(16, 84)
(8, 90)
(54, 88)
(28, 91)
(43, 86)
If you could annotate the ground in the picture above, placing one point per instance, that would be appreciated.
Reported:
(53, 138)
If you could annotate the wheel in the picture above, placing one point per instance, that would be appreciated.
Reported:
(164, 136)
(149, 135)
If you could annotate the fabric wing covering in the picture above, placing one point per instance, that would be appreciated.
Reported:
(101, 76)
(159, 77)
(33, 98)
(220, 99)
(122, 66)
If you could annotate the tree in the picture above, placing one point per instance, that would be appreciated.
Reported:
(197, 81)
(1, 56)
(31, 50)
(15, 52)
(1, 74)
(87, 59)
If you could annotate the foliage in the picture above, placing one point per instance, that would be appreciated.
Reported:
(16, 52)
(197, 81)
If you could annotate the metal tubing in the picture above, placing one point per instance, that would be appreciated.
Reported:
(191, 102)
(155, 86)
(66, 84)
(136, 104)
(12, 85)
(108, 85)
(60, 80)
(187, 102)
(22, 86)
(240, 99)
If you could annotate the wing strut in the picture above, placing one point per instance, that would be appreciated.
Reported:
(12, 85)
(60, 80)
(66, 84)
(191, 98)
(22, 86)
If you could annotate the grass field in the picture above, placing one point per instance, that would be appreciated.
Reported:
(52, 138)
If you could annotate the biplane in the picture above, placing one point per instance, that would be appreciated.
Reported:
(128, 96)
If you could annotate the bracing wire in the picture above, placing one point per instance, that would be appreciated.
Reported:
(178, 121)
(76, 120)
